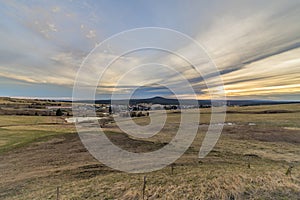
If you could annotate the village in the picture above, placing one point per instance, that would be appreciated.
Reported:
(34, 107)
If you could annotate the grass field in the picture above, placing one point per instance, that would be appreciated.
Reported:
(17, 131)
(39, 154)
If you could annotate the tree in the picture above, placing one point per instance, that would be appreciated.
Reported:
(110, 109)
(59, 112)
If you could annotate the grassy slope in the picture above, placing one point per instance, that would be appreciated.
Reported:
(224, 174)
(17, 131)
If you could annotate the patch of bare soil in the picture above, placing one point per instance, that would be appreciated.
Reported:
(264, 134)
(63, 156)
(122, 140)
(41, 159)
(262, 112)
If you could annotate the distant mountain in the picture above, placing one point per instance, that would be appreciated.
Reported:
(257, 102)
(153, 100)
(166, 101)
(156, 100)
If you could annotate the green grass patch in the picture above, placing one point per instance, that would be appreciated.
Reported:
(23, 120)
(11, 139)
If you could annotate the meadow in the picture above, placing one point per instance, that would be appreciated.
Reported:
(41, 157)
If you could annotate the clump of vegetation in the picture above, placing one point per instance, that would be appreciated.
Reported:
(289, 170)
(59, 112)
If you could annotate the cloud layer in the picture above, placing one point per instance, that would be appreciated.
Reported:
(255, 45)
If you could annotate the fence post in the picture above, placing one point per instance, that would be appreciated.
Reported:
(144, 186)
(172, 168)
(57, 193)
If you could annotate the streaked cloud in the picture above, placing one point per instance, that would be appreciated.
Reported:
(255, 45)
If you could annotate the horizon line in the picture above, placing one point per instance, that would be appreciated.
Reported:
(105, 99)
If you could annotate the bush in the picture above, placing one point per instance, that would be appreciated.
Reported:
(133, 114)
(59, 112)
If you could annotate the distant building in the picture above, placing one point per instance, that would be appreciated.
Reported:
(157, 107)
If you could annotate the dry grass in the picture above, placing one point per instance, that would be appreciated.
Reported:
(224, 174)
(8, 100)
(34, 170)
(187, 183)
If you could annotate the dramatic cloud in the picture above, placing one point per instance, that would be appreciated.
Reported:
(255, 45)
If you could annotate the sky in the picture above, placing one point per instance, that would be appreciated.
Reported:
(255, 46)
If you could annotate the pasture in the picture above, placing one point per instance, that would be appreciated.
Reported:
(39, 154)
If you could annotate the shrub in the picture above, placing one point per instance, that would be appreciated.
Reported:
(59, 112)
